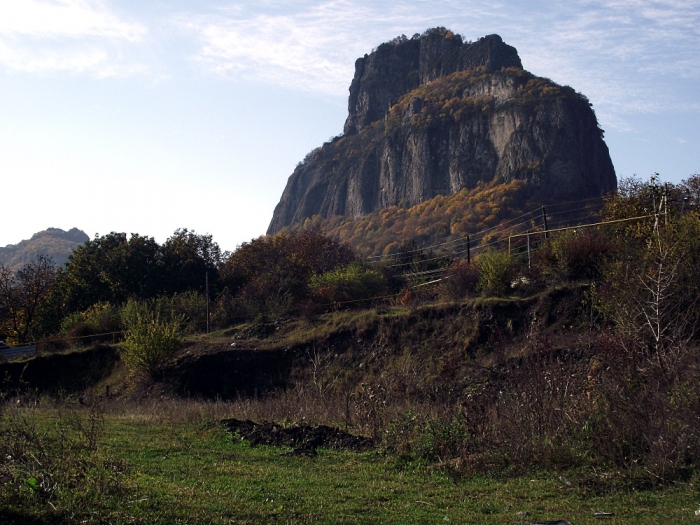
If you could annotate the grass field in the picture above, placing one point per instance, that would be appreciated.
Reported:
(172, 465)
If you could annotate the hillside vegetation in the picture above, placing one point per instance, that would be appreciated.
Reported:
(52, 243)
(578, 360)
(443, 219)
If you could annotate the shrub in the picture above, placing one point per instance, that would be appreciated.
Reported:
(496, 271)
(71, 320)
(645, 420)
(149, 338)
(190, 306)
(354, 282)
(100, 318)
(461, 280)
(428, 438)
(575, 255)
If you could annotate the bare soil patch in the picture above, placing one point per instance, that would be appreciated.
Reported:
(304, 439)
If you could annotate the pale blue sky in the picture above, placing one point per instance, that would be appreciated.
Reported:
(145, 117)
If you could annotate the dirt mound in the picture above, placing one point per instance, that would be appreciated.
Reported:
(304, 439)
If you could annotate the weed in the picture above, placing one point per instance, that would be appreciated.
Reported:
(51, 465)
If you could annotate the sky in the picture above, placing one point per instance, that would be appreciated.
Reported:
(145, 117)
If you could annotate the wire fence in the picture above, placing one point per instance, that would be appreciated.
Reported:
(515, 235)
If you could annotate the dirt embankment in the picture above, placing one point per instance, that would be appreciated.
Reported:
(60, 373)
(432, 351)
(424, 351)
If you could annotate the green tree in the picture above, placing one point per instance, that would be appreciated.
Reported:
(111, 268)
(187, 258)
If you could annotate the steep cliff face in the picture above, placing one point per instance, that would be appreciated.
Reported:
(402, 65)
(432, 116)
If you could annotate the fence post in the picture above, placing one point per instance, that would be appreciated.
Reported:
(528, 250)
(207, 287)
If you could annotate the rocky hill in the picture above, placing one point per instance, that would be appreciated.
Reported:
(52, 242)
(433, 115)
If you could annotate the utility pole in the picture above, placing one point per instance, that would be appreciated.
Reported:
(207, 288)
(544, 219)
(469, 250)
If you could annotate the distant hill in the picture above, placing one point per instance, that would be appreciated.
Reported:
(52, 242)
(433, 116)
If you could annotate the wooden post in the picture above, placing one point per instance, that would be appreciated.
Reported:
(544, 219)
(528, 250)
(469, 250)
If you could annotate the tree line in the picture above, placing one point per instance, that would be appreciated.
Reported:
(303, 272)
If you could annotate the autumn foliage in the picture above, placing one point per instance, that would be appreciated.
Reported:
(441, 219)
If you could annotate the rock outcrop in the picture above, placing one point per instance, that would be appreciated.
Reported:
(433, 115)
(400, 66)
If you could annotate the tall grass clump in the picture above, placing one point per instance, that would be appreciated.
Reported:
(52, 469)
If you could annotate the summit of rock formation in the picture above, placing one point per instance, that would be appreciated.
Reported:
(400, 66)
(432, 115)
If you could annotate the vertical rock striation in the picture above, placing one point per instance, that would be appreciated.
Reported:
(433, 115)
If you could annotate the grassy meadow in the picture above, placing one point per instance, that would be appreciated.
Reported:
(170, 462)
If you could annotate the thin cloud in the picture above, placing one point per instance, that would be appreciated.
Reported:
(606, 49)
(313, 47)
(628, 57)
(75, 36)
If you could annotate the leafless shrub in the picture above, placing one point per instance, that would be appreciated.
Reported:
(461, 281)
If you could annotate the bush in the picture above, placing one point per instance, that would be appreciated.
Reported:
(575, 255)
(462, 279)
(645, 418)
(149, 338)
(71, 320)
(190, 306)
(99, 319)
(355, 282)
(427, 438)
(496, 272)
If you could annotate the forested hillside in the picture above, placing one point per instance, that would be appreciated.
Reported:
(52, 243)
